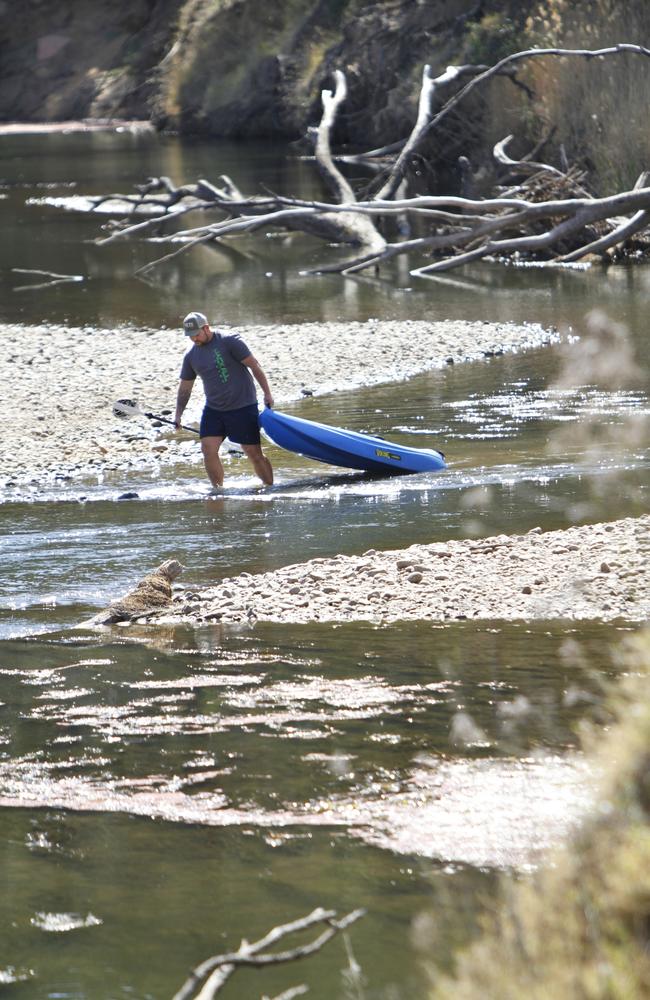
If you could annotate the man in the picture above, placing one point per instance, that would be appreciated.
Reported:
(226, 368)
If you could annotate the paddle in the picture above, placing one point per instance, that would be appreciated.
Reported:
(128, 408)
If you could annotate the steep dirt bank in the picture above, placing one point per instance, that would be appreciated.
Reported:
(226, 67)
(70, 60)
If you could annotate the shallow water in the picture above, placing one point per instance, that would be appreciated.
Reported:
(167, 791)
(196, 786)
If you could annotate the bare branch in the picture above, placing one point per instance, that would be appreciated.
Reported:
(220, 967)
(622, 232)
(330, 172)
(467, 229)
(581, 212)
(516, 57)
(429, 85)
(294, 991)
(183, 249)
(522, 166)
(53, 279)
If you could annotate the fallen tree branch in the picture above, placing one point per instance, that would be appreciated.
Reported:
(535, 217)
(220, 968)
(578, 213)
(622, 232)
(581, 213)
(527, 167)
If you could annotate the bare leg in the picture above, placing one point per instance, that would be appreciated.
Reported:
(260, 462)
(210, 448)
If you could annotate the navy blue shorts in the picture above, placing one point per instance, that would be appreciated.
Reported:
(242, 426)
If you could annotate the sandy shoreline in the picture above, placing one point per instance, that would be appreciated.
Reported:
(595, 571)
(57, 418)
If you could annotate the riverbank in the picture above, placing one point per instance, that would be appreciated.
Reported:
(57, 420)
(596, 571)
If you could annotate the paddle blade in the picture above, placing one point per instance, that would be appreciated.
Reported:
(126, 408)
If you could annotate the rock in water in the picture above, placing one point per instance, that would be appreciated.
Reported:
(152, 593)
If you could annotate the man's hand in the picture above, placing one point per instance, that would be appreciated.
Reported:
(259, 377)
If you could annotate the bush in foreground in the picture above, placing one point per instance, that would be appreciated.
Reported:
(581, 927)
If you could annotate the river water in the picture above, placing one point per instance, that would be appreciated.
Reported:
(168, 791)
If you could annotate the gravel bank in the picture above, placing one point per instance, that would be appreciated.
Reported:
(593, 571)
(57, 421)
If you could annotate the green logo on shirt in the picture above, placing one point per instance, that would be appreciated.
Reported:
(220, 365)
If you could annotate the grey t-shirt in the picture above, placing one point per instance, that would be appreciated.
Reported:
(227, 383)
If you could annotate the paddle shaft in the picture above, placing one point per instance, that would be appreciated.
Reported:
(164, 420)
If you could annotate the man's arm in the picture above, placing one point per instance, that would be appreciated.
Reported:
(183, 397)
(260, 378)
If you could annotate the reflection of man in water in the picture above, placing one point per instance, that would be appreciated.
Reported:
(226, 368)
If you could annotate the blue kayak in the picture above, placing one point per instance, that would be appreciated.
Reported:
(350, 449)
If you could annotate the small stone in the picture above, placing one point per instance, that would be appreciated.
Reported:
(414, 578)
(605, 568)
(526, 590)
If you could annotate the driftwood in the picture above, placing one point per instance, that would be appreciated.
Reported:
(51, 276)
(546, 213)
(207, 979)
(152, 593)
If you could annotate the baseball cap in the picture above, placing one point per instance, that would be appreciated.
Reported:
(193, 323)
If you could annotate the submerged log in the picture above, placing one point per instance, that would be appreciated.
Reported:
(152, 593)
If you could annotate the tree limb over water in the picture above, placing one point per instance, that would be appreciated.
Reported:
(208, 978)
(545, 214)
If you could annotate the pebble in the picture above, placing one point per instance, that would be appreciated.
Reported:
(479, 582)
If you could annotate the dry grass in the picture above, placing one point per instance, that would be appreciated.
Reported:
(599, 106)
